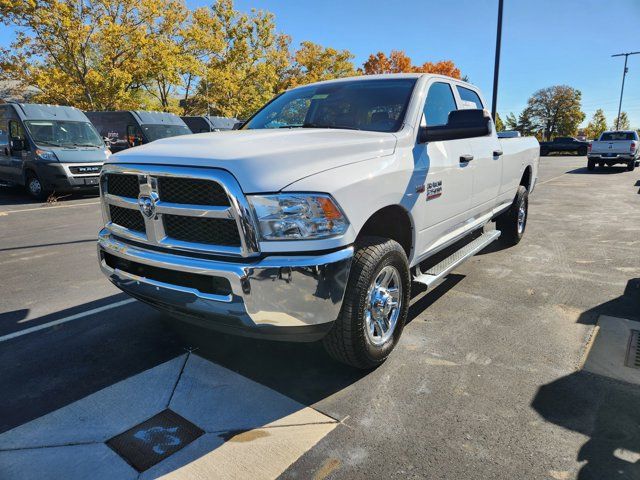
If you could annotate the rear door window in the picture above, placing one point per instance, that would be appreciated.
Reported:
(468, 95)
(439, 103)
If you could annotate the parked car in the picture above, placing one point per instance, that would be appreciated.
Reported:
(201, 124)
(312, 220)
(613, 148)
(564, 144)
(125, 129)
(48, 148)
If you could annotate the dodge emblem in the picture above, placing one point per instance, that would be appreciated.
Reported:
(147, 206)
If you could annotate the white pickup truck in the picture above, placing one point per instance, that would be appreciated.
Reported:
(613, 148)
(313, 219)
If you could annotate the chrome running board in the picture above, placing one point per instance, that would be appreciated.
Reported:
(436, 274)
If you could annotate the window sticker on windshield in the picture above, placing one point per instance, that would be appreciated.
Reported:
(320, 96)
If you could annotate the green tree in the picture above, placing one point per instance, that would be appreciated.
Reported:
(596, 125)
(557, 109)
(499, 123)
(524, 123)
(622, 124)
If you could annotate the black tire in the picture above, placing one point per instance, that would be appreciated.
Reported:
(591, 165)
(582, 151)
(508, 222)
(34, 187)
(631, 166)
(544, 151)
(348, 340)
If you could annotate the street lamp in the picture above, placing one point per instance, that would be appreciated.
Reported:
(496, 66)
(624, 74)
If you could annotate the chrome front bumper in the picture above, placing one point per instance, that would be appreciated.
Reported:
(281, 297)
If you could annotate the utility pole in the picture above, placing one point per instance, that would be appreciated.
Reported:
(496, 67)
(624, 74)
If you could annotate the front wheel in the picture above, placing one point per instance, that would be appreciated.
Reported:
(375, 305)
(513, 222)
(35, 188)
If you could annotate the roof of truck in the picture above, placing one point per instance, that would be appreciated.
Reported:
(36, 111)
(386, 76)
(147, 117)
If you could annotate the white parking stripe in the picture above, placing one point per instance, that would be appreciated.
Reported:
(71, 318)
(48, 208)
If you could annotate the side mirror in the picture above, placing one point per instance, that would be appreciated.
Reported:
(18, 144)
(460, 124)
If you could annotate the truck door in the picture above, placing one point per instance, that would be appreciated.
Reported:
(4, 143)
(444, 205)
(487, 162)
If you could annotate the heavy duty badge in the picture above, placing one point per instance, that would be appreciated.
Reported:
(434, 189)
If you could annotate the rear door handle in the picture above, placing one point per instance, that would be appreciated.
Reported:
(497, 153)
(466, 158)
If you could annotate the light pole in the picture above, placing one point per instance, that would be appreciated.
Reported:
(496, 66)
(624, 74)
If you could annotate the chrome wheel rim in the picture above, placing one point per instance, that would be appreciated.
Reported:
(384, 303)
(522, 217)
(34, 186)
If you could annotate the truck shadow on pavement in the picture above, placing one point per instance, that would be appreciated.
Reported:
(598, 170)
(605, 410)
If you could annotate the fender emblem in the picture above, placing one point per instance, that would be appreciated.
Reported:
(434, 190)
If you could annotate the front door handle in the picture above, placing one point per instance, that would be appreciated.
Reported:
(466, 158)
(497, 153)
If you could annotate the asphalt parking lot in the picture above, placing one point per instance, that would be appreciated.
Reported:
(485, 383)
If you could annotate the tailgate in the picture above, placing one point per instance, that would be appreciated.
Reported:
(613, 146)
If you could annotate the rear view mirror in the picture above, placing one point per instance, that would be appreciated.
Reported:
(460, 124)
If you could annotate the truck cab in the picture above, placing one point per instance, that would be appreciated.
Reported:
(208, 123)
(125, 129)
(49, 148)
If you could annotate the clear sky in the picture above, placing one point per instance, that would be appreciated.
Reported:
(544, 42)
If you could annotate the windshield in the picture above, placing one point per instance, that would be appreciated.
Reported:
(62, 133)
(373, 105)
(612, 136)
(156, 132)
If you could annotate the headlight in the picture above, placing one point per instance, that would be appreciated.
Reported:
(46, 155)
(298, 216)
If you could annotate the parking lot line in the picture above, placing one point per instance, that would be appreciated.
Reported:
(77, 316)
(47, 208)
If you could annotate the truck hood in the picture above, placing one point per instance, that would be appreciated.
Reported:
(264, 160)
(79, 155)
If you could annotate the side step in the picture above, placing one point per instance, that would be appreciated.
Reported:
(436, 274)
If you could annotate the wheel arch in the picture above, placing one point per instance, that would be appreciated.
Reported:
(526, 178)
(393, 222)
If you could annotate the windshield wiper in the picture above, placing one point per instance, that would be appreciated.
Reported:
(291, 126)
(49, 143)
(338, 127)
(85, 144)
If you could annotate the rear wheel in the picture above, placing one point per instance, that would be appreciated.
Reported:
(544, 151)
(631, 166)
(35, 188)
(591, 165)
(375, 305)
(582, 151)
(513, 222)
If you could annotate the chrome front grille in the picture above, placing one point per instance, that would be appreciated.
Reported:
(190, 209)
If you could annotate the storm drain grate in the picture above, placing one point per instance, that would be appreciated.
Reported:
(155, 439)
(633, 350)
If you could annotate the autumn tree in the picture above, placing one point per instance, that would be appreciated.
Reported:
(399, 62)
(499, 123)
(91, 54)
(596, 125)
(314, 63)
(622, 124)
(557, 109)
